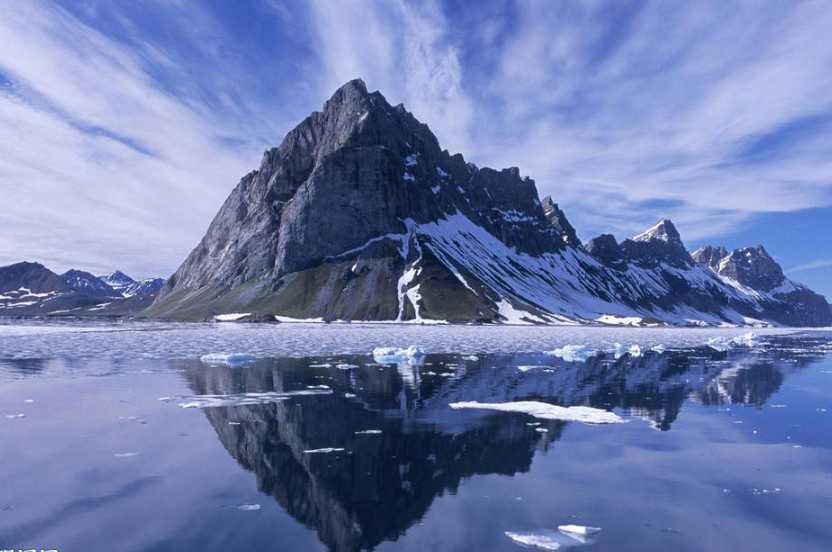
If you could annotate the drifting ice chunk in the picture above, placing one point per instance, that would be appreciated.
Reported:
(582, 530)
(345, 366)
(391, 355)
(658, 349)
(125, 454)
(322, 450)
(620, 350)
(725, 343)
(540, 540)
(553, 540)
(369, 432)
(231, 317)
(583, 414)
(248, 507)
(227, 358)
(573, 353)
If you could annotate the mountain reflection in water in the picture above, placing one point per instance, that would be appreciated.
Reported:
(383, 483)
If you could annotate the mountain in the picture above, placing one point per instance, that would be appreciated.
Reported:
(360, 215)
(755, 270)
(118, 280)
(143, 287)
(31, 289)
(84, 282)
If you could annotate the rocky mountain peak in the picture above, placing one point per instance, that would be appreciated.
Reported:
(752, 267)
(663, 230)
(558, 219)
(661, 243)
(709, 256)
(84, 282)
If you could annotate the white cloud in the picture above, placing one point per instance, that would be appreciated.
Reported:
(99, 164)
(811, 265)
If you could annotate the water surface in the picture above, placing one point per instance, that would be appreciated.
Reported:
(315, 446)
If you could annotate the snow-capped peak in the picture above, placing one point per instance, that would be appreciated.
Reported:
(663, 230)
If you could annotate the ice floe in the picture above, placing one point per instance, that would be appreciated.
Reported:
(392, 355)
(323, 450)
(620, 350)
(125, 454)
(212, 401)
(246, 507)
(231, 317)
(369, 432)
(573, 353)
(546, 539)
(583, 414)
(722, 343)
(231, 359)
(345, 366)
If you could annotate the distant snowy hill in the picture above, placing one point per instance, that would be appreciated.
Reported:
(31, 289)
(360, 215)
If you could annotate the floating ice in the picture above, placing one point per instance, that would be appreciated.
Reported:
(392, 355)
(582, 530)
(248, 507)
(15, 416)
(541, 430)
(324, 365)
(231, 317)
(317, 387)
(472, 358)
(210, 401)
(345, 366)
(528, 368)
(125, 454)
(29, 401)
(658, 349)
(721, 343)
(227, 358)
(546, 539)
(573, 353)
(540, 540)
(620, 350)
(322, 450)
(583, 414)
(368, 432)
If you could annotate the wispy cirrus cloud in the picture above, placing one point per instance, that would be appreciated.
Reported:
(811, 265)
(123, 126)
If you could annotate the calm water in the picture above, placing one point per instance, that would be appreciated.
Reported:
(723, 451)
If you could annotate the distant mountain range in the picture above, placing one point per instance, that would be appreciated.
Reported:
(360, 215)
(31, 289)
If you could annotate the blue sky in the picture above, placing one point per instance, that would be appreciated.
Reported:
(124, 125)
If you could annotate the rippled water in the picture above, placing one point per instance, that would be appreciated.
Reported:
(127, 441)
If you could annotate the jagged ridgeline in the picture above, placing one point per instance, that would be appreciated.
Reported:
(360, 215)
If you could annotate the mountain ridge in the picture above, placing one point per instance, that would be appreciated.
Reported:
(359, 214)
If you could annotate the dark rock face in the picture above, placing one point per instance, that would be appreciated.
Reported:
(558, 219)
(360, 215)
(606, 250)
(709, 256)
(752, 267)
(33, 277)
